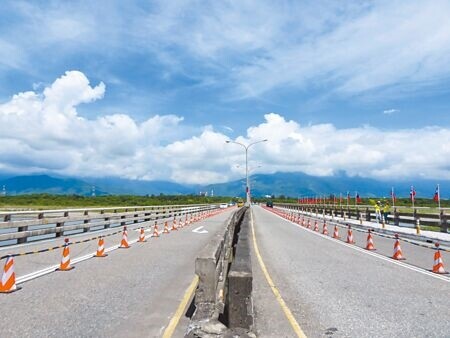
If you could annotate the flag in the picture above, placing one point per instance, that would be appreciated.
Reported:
(412, 194)
(348, 196)
(394, 199)
(436, 196)
(358, 199)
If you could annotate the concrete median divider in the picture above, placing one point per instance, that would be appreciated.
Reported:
(222, 302)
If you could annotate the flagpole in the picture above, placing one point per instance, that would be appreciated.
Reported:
(412, 196)
(340, 200)
(439, 197)
(393, 197)
(356, 193)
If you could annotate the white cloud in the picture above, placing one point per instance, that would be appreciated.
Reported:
(44, 132)
(390, 111)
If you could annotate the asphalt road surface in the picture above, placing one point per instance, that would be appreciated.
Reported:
(336, 290)
(131, 293)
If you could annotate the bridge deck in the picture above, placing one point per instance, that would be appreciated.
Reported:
(133, 292)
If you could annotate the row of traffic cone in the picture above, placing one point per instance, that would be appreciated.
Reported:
(438, 266)
(8, 280)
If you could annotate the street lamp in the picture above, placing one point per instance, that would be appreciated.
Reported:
(247, 190)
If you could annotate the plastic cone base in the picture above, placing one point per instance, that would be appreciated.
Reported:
(101, 256)
(68, 269)
(11, 291)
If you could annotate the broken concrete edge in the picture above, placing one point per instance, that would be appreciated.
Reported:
(240, 312)
(211, 266)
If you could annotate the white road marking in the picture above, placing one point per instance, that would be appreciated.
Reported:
(352, 246)
(200, 231)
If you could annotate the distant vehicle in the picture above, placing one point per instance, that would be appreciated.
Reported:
(240, 203)
(269, 204)
(223, 205)
(230, 204)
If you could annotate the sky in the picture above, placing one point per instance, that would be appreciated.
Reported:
(152, 89)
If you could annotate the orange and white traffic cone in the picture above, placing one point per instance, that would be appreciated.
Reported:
(174, 225)
(398, 254)
(142, 235)
(350, 236)
(325, 229)
(309, 224)
(186, 220)
(336, 232)
(166, 228)
(8, 282)
(65, 259)
(303, 221)
(155, 230)
(101, 248)
(438, 266)
(369, 245)
(124, 242)
(316, 226)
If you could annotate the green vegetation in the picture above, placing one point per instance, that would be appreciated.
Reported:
(46, 201)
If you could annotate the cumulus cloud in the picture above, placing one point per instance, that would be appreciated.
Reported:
(43, 132)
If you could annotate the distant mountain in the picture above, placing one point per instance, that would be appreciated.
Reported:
(300, 184)
(47, 184)
(287, 184)
(138, 187)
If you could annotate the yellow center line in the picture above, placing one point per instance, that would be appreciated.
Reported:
(168, 332)
(295, 326)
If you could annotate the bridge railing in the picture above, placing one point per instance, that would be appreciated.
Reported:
(367, 213)
(23, 226)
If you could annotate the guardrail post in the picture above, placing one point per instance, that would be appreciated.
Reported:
(443, 221)
(396, 217)
(107, 225)
(23, 239)
(358, 214)
(135, 218)
(61, 232)
(7, 218)
(86, 221)
(367, 214)
(123, 223)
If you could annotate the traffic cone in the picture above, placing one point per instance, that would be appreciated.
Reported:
(155, 230)
(316, 226)
(174, 225)
(398, 255)
(438, 266)
(370, 245)
(142, 235)
(186, 221)
(325, 229)
(309, 224)
(350, 236)
(65, 259)
(303, 221)
(101, 248)
(166, 228)
(124, 242)
(8, 282)
(336, 232)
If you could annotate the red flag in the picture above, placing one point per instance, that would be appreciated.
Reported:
(394, 198)
(412, 194)
(436, 196)
(358, 199)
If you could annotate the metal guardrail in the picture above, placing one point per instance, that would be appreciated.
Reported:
(368, 214)
(23, 226)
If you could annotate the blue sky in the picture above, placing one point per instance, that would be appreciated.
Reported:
(222, 67)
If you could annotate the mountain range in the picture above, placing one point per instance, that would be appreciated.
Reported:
(287, 184)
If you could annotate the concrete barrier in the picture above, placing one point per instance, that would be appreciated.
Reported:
(223, 266)
(240, 279)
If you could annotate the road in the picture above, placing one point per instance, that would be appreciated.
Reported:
(336, 290)
(131, 293)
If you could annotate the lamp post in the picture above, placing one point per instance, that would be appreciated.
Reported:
(247, 189)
